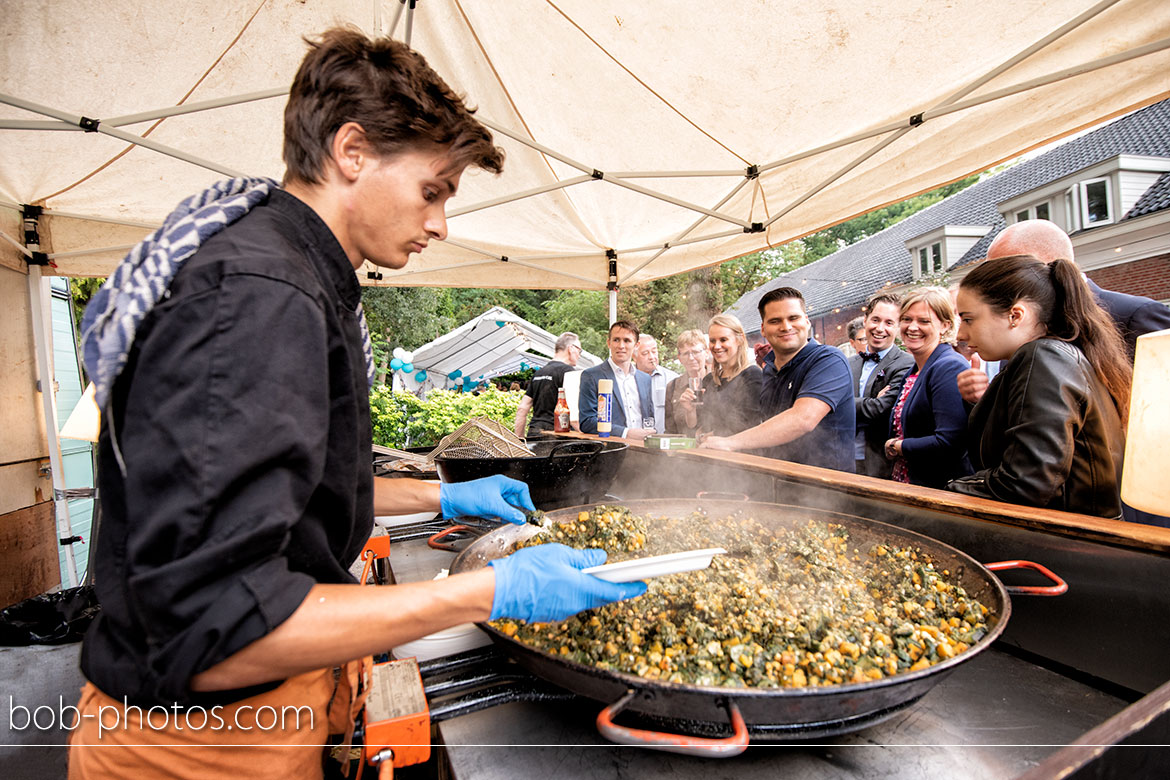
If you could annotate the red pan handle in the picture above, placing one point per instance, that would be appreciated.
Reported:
(674, 743)
(1031, 590)
(436, 542)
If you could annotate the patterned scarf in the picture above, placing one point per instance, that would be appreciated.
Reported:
(145, 274)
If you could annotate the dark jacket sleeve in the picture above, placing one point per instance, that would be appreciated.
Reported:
(1154, 316)
(224, 440)
(587, 402)
(947, 439)
(1045, 409)
(871, 410)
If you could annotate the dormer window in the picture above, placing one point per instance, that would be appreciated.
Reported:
(930, 259)
(1095, 202)
(1041, 210)
(933, 252)
(1099, 194)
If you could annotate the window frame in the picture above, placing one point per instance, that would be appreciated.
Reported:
(1083, 198)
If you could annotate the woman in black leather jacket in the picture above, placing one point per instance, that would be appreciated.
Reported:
(1049, 431)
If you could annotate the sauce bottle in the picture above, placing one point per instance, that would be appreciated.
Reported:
(561, 413)
(604, 407)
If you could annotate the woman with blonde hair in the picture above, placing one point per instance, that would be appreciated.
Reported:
(928, 426)
(693, 354)
(729, 398)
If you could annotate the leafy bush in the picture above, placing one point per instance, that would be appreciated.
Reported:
(402, 420)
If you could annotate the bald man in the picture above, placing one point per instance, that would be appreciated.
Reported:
(1134, 315)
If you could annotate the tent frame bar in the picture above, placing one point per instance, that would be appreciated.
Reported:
(735, 190)
(951, 101)
(120, 135)
(109, 220)
(597, 174)
(518, 196)
(100, 250)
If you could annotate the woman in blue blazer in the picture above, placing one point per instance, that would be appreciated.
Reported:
(928, 427)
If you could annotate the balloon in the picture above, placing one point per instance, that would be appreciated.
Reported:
(455, 374)
(459, 381)
(408, 367)
(395, 364)
(421, 376)
(407, 356)
(398, 353)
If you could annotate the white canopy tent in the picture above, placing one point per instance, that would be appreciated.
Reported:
(644, 137)
(493, 344)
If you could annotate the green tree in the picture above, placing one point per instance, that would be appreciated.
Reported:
(585, 312)
(407, 316)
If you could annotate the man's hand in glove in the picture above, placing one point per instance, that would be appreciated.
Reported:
(544, 583)
(494, 496)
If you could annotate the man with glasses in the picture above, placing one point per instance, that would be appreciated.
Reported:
(541, 396)
(646, 359)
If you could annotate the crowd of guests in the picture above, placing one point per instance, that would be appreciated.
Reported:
(1012, 386)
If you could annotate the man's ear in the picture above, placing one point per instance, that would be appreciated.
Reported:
(350, 150)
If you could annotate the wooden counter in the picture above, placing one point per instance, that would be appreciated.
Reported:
(671, 473)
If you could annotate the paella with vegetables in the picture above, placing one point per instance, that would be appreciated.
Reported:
(796, 607)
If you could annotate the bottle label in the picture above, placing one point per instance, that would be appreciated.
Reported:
(604, 413)
(561, 424)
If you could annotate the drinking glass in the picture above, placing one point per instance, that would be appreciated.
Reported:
(696, 385)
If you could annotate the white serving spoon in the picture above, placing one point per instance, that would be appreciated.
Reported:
(655, 565)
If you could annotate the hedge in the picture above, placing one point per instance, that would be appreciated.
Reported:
(402, 420)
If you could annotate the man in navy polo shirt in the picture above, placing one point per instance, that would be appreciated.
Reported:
(807, 393)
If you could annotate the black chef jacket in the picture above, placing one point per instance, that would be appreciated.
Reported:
(243, 420)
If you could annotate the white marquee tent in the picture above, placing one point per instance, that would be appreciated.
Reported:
(493, 344)
(661, 136)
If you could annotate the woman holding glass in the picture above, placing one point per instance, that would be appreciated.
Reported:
(693, 354)
(928, 427)
(729, 396)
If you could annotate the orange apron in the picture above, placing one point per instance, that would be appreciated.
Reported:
(278, 734)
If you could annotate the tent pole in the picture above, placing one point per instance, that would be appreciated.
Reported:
(613, 306)
(97, 251)
(120, 135)
(38, 289)
(1055, 34)
(596, 174)
(409, 21)
(560, 185)
(94, 218)
(397, 15)
(694, 225)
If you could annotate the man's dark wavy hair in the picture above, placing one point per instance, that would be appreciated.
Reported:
(387, 88)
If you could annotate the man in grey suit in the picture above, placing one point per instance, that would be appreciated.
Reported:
(633, 403)
(878, 374)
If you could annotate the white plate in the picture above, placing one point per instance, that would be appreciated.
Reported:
(655, 565)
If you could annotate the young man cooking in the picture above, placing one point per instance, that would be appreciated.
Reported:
(807, 395)
(232, 363)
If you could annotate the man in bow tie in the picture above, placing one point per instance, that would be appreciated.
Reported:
(878, 373)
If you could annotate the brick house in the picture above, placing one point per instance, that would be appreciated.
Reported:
(1110, 189)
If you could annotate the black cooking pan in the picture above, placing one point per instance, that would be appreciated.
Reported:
(560, 473)
(798, 712)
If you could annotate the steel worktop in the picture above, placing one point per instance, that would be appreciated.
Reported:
(994, 717)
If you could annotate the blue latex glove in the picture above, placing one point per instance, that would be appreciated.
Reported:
(494, 496)
(544, 583)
